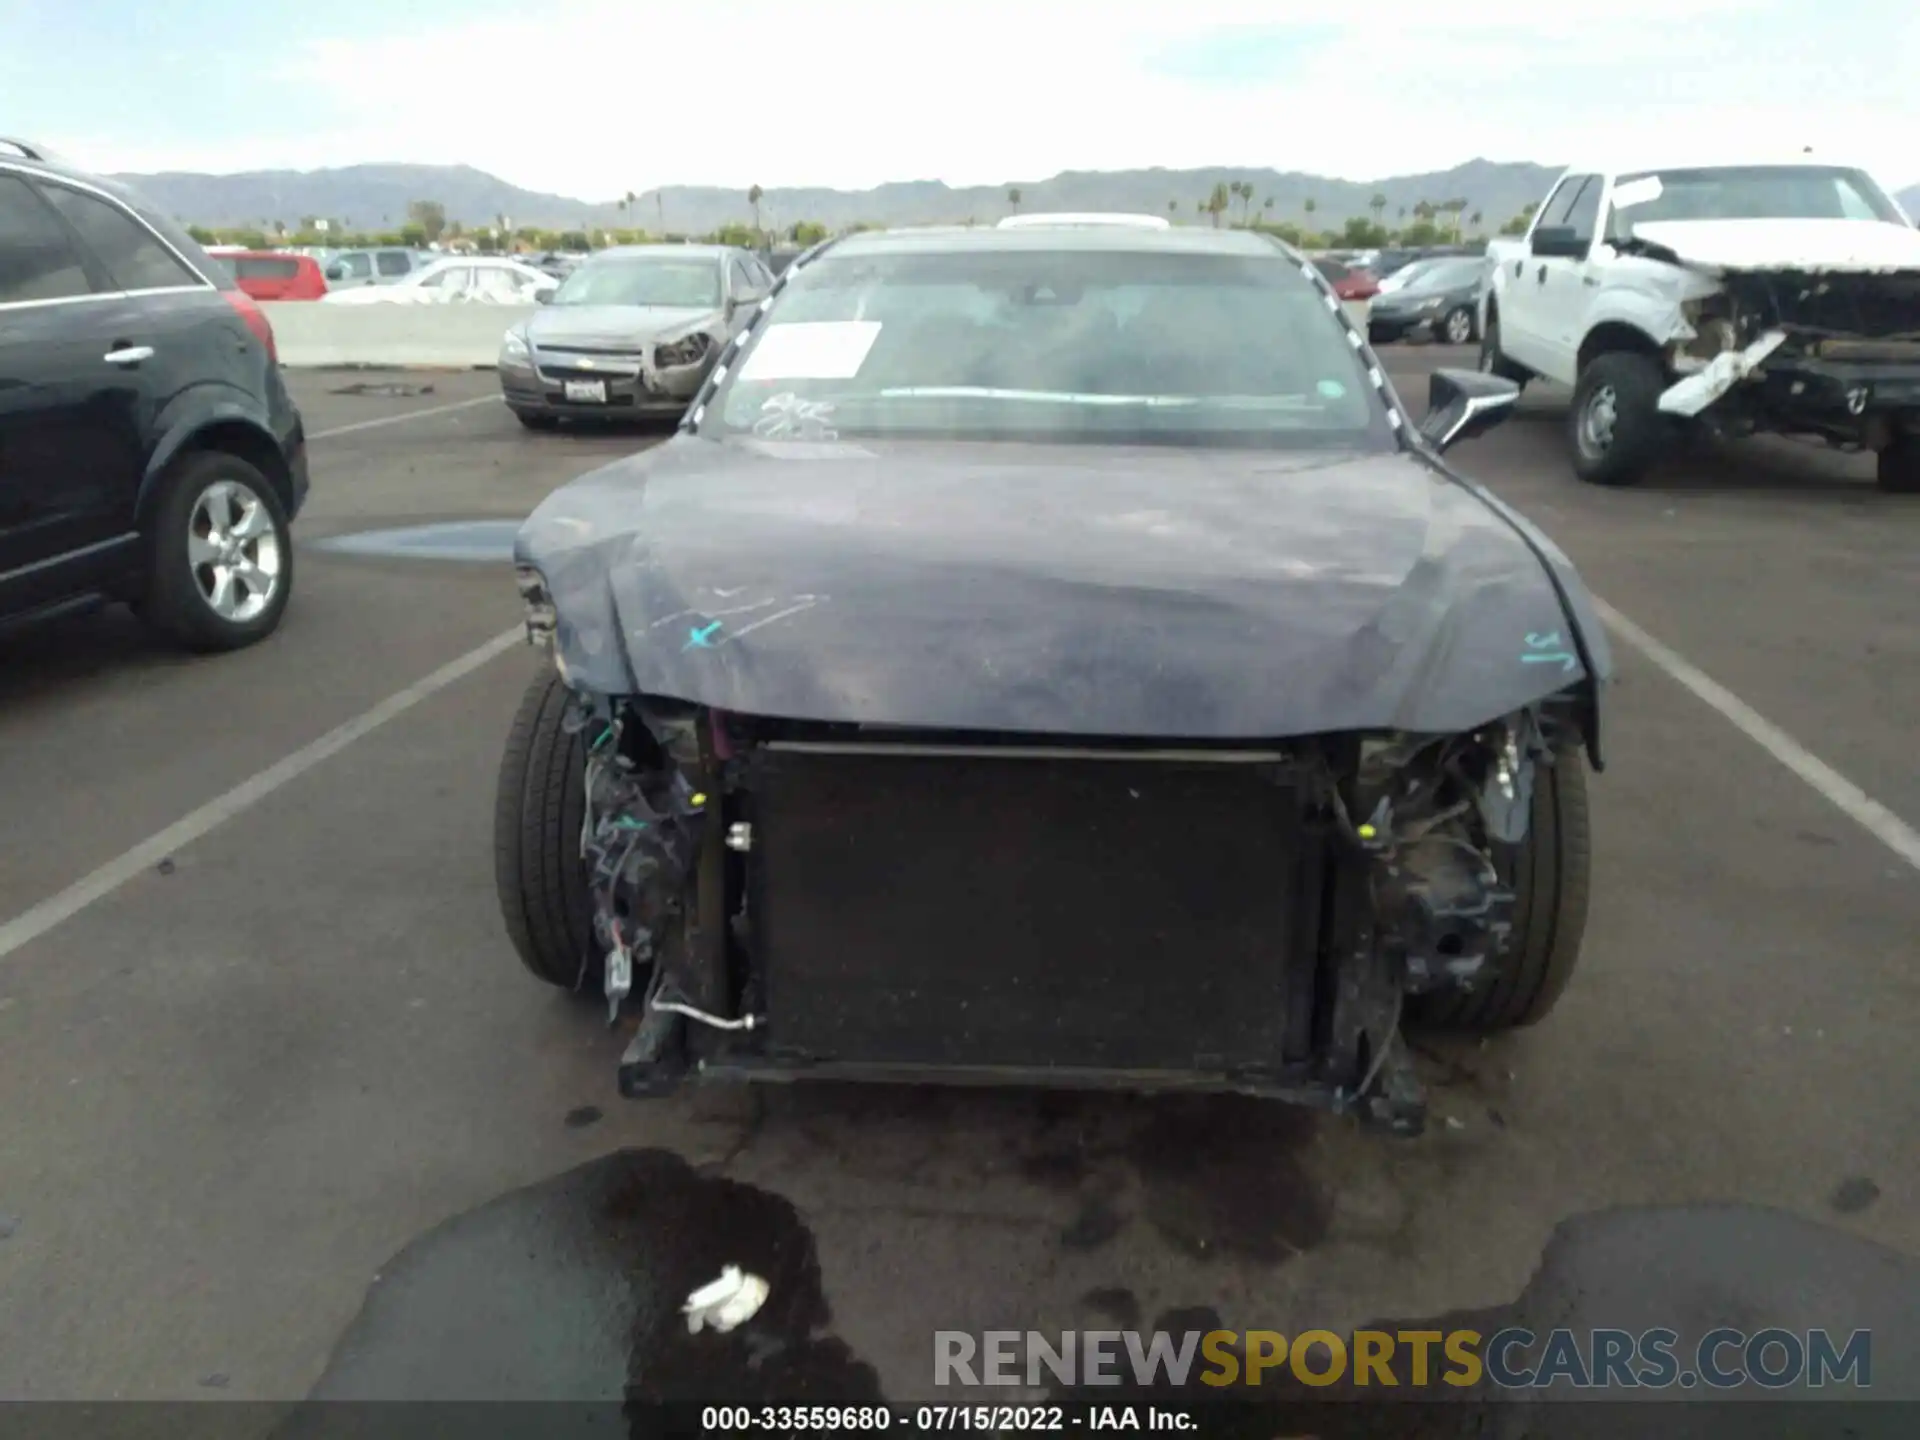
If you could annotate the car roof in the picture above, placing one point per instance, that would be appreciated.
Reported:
(962, 239)
(1708, 159)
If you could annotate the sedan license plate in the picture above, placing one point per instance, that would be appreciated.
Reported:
(587, 392)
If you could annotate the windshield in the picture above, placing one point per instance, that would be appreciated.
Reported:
(1407, 274)
(1750, 192)
(643, 280)
(1445, 275)
(1054, 344)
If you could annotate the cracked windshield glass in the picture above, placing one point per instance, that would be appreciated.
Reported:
(1066, 718)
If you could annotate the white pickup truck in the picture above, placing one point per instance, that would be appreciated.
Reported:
(1781, 297)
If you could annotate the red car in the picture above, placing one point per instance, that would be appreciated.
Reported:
(267, 275)
(1348, 284)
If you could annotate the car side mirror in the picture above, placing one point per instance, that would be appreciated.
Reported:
(1552, 242)
(336, 272)
(1464, 403)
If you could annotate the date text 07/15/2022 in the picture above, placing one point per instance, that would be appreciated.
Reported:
(935, 1419)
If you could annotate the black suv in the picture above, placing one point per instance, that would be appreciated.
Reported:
(149, 451)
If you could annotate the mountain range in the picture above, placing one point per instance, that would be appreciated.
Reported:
(371, 197)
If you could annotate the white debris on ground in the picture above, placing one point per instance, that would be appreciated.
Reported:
(733, 1299)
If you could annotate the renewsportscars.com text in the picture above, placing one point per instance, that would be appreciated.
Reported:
(1600, 1359)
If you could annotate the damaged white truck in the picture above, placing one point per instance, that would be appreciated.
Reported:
(1735, 299)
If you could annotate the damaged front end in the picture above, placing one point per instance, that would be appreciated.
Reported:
(1833, 354)
(783, 900)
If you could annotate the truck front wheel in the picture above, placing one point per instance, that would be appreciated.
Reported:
(1491, 360)
(1615, 425)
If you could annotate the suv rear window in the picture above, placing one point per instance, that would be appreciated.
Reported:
(37, 258)
(265, 267)
(394, 262)
(132, 253)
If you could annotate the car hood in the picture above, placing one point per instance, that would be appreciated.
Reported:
(611, 324)
(1722, 246)
(1051, 589)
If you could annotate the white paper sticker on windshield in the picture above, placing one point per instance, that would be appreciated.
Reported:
(1636, 192)
(812, 350)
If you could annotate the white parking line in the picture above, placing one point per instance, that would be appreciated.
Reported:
(1845, 796)
(55, 910)
(359, 425)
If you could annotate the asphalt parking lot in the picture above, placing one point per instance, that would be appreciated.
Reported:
(294, 1042)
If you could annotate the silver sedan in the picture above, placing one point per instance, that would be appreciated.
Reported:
(631, 333)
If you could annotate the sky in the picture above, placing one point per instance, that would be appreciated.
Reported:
(592, 98)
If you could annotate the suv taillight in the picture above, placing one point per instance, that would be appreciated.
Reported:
(256, 320)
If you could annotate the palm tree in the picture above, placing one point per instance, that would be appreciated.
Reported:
(660, 207)
(1172, 206)
(754, 194)
(1309, 205)
(1217, 203)
(1013, 198)
(1378, 205)
(1474, 220)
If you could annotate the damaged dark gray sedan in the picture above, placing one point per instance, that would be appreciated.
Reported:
(1053, 656)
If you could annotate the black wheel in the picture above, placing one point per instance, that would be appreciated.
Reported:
(1549, 873)
(535, 421)
(1492, 361)
(1615, 427)
(1899, 466)
(538, 812)
(220, 557)
(1456, 327)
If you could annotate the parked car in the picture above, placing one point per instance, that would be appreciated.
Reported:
(1731, 299)
(272, 275)
(149, 450)
(1348, 283)
(632, 332)
(1053, 656)
(458, 280)
(351, 269)
(1440, 301)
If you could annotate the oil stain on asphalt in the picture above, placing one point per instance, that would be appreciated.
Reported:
(572, 1290)
(466, 540)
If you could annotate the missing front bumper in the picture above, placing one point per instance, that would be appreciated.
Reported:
(1098, 920)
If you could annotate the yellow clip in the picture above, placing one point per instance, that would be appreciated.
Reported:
(700, 799)
(1366, 832)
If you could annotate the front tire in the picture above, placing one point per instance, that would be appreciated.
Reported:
(1615, 428)
(538, 812)
(1898, 466)
(1492, 362)
(1549, 872)
(220, 556)
(1456, 327)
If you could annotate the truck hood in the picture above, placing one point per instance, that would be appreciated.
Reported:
(1049, 589)
(1729, 246)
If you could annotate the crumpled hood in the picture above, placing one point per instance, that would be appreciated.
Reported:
(605, 325)
(1050, 589)
(1721, 246)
